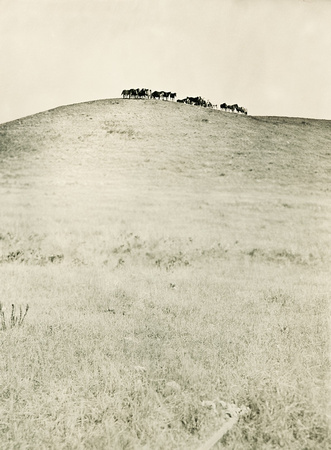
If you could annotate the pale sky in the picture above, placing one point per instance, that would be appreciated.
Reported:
(271, 56)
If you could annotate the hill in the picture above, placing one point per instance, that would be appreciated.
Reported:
(175, 161)
(272, 149)
(175, 260)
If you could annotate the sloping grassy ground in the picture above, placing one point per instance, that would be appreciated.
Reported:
(171, 256)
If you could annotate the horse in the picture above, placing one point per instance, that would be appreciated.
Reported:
(194, 101)
(166, 95)
(233, 108)
(242, 110)
(134, 93)
(143, 93)
(157, 94)
(148, 93)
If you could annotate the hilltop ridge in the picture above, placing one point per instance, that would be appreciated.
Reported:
(176, 137)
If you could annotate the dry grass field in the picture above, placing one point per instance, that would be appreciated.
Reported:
(173, 258)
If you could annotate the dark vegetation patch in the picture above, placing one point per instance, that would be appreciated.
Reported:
(17, 249)
(31, 256)
(282, 256)
(165, 253)
(172, 261)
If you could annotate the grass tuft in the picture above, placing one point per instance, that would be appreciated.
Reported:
(15, 319)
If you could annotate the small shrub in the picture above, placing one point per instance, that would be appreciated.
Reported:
(279, 297)
(55, 258)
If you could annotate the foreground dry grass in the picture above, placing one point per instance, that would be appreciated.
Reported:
(170, 256)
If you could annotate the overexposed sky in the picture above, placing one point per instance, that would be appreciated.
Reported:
(270, 56)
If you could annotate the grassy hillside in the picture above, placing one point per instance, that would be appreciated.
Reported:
(173, 258)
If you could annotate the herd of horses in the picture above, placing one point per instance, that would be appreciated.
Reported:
(162, 95)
